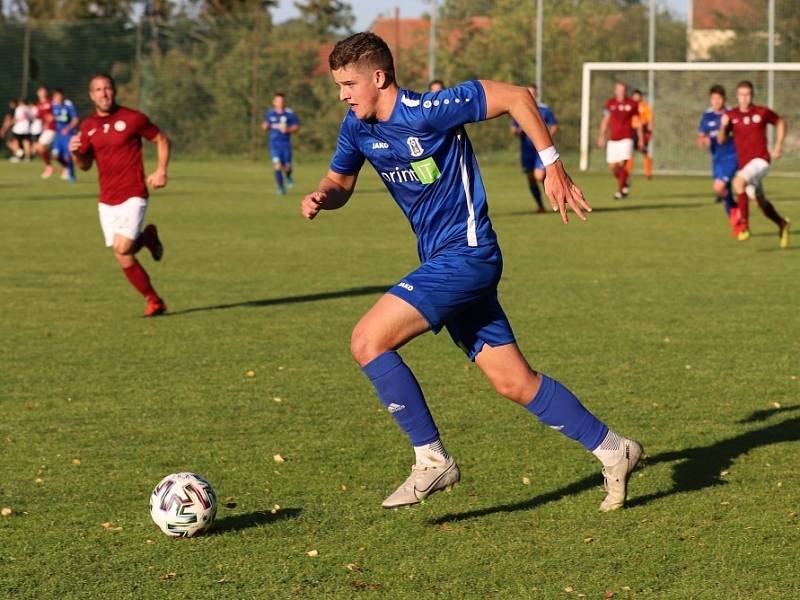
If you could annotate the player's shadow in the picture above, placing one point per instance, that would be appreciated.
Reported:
(623, 207)
(697, 468)
(254, 519)
(53, 198)
(359, 291)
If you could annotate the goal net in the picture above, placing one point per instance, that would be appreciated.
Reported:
(679, 95)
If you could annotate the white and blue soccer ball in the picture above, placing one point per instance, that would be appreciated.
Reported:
(183, 505)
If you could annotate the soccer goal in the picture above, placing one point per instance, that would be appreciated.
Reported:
(679, 95)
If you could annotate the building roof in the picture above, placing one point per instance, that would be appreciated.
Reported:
(728, 14)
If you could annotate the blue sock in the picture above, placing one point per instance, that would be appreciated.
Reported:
(279, 178)
(729, 201)
(401, 395)
(558, 408)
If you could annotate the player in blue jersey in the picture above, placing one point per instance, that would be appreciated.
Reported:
(281, 122)
(531, 162)
(723, 156)
(66, 120)
(419, 148)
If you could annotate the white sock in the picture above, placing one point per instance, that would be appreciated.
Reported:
(611, 450)
(432, 454)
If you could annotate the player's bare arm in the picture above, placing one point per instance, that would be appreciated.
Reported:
(333, 192)
(640, 133)
(780, 133)
(724, 126)
(502, 98)
(84, 161)
(73, 123)
(158, 178)
(601, 137)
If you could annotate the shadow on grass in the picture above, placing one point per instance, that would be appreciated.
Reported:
(55, 197)
(698, 468)
(622, 206)
(359, 291)
(253, 519)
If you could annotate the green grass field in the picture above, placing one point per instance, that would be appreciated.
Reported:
(665, 326)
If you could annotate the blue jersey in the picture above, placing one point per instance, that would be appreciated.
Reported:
(425, 159)
(709, 125)
(62, 114)
(526, 146)
(277, 122)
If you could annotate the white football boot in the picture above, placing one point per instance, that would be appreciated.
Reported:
(424, 481)
(616, 477)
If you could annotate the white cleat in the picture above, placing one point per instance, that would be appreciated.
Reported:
(424, 481)
(616, 477)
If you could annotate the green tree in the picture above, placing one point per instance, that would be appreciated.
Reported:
(326, 17)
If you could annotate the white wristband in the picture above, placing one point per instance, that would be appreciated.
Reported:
(549, 155)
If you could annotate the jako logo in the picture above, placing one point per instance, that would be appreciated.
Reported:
(380, 145)
(406, 286)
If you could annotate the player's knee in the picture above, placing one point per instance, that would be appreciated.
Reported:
(363, 347)
(720, 188)
(123, 246)
(518, 389)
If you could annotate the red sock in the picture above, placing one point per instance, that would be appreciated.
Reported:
(45, 154)
(622, 177)
(140, 280)
(744, 211)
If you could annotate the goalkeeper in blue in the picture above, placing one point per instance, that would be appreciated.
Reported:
(419, 148)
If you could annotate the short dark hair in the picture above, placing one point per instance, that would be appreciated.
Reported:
(363, 48)
(433, 82)
(745, 84)
(106, 76)
(637, 92)
(717, 89)
(279, 94)
(58, 90)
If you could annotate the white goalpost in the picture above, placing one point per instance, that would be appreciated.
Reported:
(679, 95)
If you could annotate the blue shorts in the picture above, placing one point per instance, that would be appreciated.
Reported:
(281, 154)
(61, 147)
(723, 170)
(458, 290)
(531, 161)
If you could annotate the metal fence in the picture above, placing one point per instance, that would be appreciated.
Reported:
(207, 81)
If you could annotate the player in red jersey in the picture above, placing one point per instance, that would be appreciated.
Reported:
(45, 113)
(618, 114)
(112, 136)
(748, 123)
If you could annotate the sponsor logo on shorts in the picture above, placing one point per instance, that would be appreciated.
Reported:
(406, 286)
(380, 146)
(394, 407)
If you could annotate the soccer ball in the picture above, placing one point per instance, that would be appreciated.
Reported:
(183, 505)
